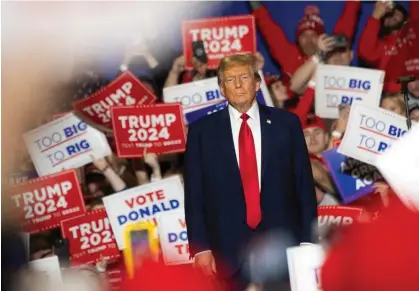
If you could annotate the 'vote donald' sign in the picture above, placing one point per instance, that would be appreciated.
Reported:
(221, 36)
(370, 132)
(64, 143)
(126, 90)
(159, 128)
(174, 238)
(353, 178)
(336, 85)
(45, 201)
(143, 203)
(90, 238)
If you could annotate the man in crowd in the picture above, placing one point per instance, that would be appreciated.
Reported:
(378, 42)
(291, 56)
(238, 183)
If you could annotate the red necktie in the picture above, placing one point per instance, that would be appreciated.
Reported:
(249, 173)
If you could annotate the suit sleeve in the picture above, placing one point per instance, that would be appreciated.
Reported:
(304, 183)
(194, 192)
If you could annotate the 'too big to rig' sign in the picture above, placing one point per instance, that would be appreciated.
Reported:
(221, 36)
(126, 90)
(65, 143)
(143, 203)
(90, 238)
(370, 132)
(159, 128)
(336, 85)
(45, 201)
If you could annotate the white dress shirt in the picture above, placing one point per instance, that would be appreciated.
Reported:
(254, 124)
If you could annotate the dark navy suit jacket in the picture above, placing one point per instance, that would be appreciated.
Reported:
(215, 208)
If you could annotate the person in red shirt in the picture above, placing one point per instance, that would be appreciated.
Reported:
(377, 43)
(290, 55)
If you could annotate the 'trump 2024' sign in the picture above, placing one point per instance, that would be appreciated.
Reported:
(45, 201)
(143, 203)
(221, 36)
(159, 128)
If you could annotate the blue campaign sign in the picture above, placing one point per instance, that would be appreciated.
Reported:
(195, 115)
(353, 178)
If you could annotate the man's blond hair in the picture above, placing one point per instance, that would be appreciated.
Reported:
(237, 60)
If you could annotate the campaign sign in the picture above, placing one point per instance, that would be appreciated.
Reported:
(304, 266)
(125, 90)
(337, 215)
(400, 167)
(221, 36)
(174, 238)
(202, 95)
(20, 177)
(45, 201)
(143, 203)
(65, 143)
(336, 85)
(195, 115)
(353, 178)
(370, 131)
(48, 272)
(159, 128)
(90, 238)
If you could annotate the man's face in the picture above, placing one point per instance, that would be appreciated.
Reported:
(414, 115)
(239, 86)
(340, 57)
(394, 19)
(316, 139)
(308, 42)
(414, 88)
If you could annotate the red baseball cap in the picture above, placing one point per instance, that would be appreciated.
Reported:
(310, 21)
(314, 121)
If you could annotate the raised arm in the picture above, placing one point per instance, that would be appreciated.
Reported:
(370, 47)
(194, 192)
(281, 49)
(347, 22)
(304, 183)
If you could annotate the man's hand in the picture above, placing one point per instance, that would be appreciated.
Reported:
(178, 65)
(260, 61)
(380, 9)
(325, 43)
(343, 119)
(206, 263)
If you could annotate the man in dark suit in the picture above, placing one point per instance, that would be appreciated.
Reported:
(247, 171)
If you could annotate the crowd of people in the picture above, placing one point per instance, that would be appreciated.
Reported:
(292, 90)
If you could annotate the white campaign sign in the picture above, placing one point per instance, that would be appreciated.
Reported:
(337, 85)
(143, 203)
(304, 264)
(200, 94)
(174, 238)
(65, 143)
(400, 167)
(370, 131)
(50, 268)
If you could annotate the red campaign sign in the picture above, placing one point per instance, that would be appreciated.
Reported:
(43, 202)
(159, 128)
(221, 36)
(126, 90)
(338, 215)
(90, 238)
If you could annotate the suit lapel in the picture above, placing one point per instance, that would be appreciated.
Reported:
(227, 143)
(266, 127)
